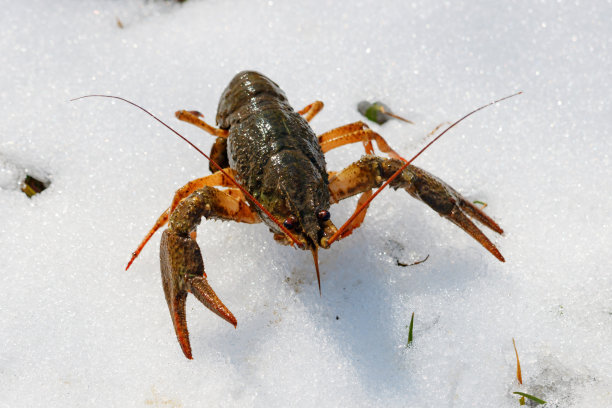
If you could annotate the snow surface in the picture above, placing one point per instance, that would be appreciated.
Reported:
(77, 330)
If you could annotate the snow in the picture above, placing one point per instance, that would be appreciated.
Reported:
(77, 330)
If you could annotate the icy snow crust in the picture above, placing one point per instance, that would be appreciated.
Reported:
(77, 330)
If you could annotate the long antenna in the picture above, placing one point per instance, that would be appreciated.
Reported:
(397, 173)
(246, 193)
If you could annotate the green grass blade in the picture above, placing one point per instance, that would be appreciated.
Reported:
(410, 331)
(531, 397)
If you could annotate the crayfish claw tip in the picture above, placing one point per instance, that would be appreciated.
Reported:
(202, 290)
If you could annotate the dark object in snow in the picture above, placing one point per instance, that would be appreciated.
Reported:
(412, 264)
(378, 112)
(32, 186)
(17, 175)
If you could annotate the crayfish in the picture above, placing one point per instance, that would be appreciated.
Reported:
(269, 166)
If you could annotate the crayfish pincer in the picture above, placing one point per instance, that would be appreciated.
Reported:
(269, 166)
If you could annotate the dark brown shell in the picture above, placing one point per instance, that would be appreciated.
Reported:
(274, 152)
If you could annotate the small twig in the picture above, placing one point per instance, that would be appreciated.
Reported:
(412, 264)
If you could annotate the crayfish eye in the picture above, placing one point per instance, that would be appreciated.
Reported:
(290, 222)
(323, 215)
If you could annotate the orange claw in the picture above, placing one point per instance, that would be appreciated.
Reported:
(182, 271)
